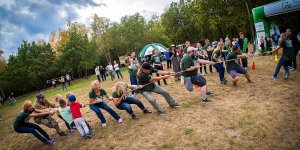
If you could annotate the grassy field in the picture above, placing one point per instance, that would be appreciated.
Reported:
(261, 115)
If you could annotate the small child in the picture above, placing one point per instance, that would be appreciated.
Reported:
(65, 113)
(58, 97)
(80, 123)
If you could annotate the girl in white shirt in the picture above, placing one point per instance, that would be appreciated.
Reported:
(117, 69)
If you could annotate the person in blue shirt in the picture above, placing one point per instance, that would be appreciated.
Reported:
(275, 38)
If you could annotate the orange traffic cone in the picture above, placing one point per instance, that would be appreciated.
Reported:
(253, 66)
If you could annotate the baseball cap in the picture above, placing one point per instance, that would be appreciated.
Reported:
(72, 98)
(146, 65)
(40, 95)
(214, 43)
(191, 48)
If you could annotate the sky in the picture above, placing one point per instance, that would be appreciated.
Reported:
(31, 20)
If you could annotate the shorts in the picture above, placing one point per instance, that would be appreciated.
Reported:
(198, 80)
(234, 72)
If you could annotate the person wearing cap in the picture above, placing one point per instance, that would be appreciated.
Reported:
(243, 42)
(216, 58)
(157, 63)
(209, 48)
(191, 75)
(233, 68)
(43, 104)
(147, 86)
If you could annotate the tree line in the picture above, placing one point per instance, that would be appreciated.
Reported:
(77, 49)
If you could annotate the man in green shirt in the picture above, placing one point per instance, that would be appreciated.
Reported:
(287, 55)
(209, 48)
(243, 42)
(233, 68)
(191, 75)
(147, 81)
(155, 58)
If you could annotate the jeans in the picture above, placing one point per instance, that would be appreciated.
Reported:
(220, 68)
(33, 128)
(98, 77)
(63, 85)
(103, 105)
(283, 61)
(125, 104)
(169, 64)
(159, 90)
(11, 101)
(294, 61)
(118, 72)
(103, 77)
(133, 81)
(111, 73)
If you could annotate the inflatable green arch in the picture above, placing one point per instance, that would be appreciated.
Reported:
(261, 13)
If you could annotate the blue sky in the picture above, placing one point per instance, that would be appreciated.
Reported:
(31, 20)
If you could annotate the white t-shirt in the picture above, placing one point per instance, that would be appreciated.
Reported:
(110, 68)
(116, 66)
(97, 71)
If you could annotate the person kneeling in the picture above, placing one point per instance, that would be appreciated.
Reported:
(122, 100)
(190, 73)
(233, 68)
(21, 124)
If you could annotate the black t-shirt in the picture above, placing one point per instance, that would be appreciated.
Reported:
(287, 46)
(21, 118)
(145, 79)
(232, 64)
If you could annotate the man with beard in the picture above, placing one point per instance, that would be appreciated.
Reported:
(190, 73)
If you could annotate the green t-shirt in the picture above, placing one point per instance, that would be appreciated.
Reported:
(21, 118)
(287, 46)
(228, 48)
(207, 47)
(186, 63)
(66, 114)
(145, 79)
(133, 71)
(156, 59)
(93, 95)
(218, 52)
(232, 64)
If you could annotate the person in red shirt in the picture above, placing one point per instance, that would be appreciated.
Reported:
(80, 123)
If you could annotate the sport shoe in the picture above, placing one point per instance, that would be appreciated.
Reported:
(51, 141)
(286, 76)
(161, 113)
(209, 93)
(88, 136)
(134, 117)
(63, 134)
(206, 101)
(120, 120)
(146, 111)
(274, 78)
(176, 105)
(103, 124)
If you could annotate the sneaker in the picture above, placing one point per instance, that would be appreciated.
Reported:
(286, 76)
(176, 105)
(63, 134)
(51, 141)
(134, 117)
(120, 120)
(223, 83)
(234, 84)
(146, 111)
(103, 124)
(274, 78)
(88, 136)
(206, 101)
(161, 113)
(209, 93)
